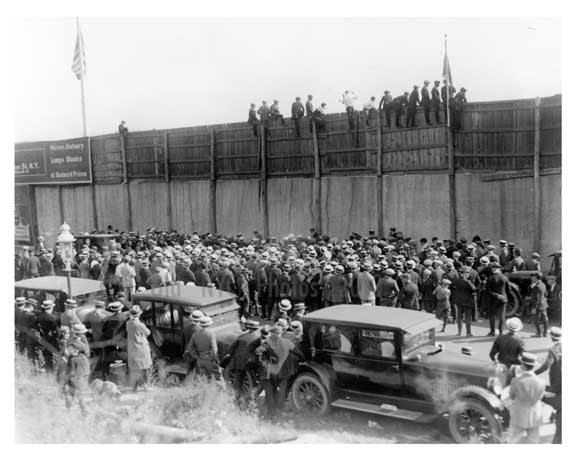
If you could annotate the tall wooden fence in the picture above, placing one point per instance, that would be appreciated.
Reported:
(521, 138)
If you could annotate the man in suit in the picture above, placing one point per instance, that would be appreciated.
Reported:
(426, 101)
(497, 298)
(408, 297)
(398, 103)
(459, 101)
(385, 107)
(309, 111)
(339, 287)
(297, 114)
(413, 103)
(526, 392)
(554, 390)
(243, 358)
(508, 348)
(264, 113)
(539, 304)
(554, 296)
(387, 289)
(203, 349)
(436, 101)
(319, 118)
(48, 327)
(253, 119)
(463, 299)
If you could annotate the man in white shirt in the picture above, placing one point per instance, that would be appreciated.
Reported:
(370, 110)
(348, 100)
(127, 275)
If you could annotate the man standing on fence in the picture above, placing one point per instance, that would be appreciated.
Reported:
(413, 102)
(309, 111)
(253, 119)
(348, 100)
(436, 101)
(297, 114)
(275, 113)
(398, 103)
(426, 101)
(459, 101)
(370, 110)
(264, 113)
(385, 107)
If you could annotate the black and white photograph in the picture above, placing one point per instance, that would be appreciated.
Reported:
(286, 229)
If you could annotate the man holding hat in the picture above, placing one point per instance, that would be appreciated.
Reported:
(509, 347)
(138, 349)
(554, 390)
(243, 358)
(526, 392)
(203, 349)
(49, 330)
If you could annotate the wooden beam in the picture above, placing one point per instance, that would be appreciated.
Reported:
(167, 179)
(124, 163)
(93, 187)
(316, 182)
(129, 204)
(506, 175)
(537, 191)
(451, 185)
(379, 185)
(213, 226)
(264, 183)
(61, 205)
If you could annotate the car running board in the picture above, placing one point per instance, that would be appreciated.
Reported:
(385, 410)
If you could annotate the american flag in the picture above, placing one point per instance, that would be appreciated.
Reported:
(79, 60)
(446, 74)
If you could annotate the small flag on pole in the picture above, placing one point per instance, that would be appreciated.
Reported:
(79, 60)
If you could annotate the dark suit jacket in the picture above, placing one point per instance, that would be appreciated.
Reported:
(425, 97)
(242, 351)
(463, 292)
(496, 284)
(538, 299)
(414, 99)
(508, 347)
(436, 101)
(309, 109)
(297, 110)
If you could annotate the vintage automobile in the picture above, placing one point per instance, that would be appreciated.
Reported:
(55, 288)
(166, 312)
(385, 361)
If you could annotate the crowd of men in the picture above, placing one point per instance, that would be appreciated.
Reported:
(431, 99)
(274, 280)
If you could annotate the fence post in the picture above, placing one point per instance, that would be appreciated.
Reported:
(124, 163)
(379, 185)
(167, 180)
(264, 182)
(317, 182)
(451, 185)
(213, 227)
(537, 191)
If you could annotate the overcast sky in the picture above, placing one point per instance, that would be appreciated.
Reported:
(161, 73)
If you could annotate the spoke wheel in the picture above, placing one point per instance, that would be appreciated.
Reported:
(309, 395)
(471, 421)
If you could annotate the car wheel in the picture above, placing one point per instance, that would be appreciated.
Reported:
(309, 395)
(514, 305)
(471, 421)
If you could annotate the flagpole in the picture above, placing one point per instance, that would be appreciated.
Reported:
(81, 39)
(448, 82)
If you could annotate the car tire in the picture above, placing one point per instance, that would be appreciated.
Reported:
(514, 306)
(309, 395)
(471, 421)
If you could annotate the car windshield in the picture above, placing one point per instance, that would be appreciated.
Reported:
(414, 341)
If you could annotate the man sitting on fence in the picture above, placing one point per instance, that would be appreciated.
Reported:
(275, 113)
(319, 118)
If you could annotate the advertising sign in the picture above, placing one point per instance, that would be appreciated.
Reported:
(53, 162)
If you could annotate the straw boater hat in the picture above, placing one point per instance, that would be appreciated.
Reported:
(528, 359)
(556, 333)
(20, 300)
(48, 304)
(299, 307)
(135, 311)
(99, 304)
(252, 324)
(296, 325)
(285, 305)
(79, 329)
(70, 303)
(514, 324)
(196, 316)
(282, 323)
(115, 306)
(205, 321)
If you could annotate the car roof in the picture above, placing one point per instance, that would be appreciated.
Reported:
(55, 283)
(191, 295)
(374, 317)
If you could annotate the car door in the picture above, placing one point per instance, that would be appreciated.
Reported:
(338, 345)
(378, 360)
